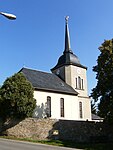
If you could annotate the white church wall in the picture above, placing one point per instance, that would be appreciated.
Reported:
(71, 106)
(74, 73)
(71, 109)
(86, 108)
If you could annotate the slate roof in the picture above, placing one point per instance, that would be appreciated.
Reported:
(47, 81)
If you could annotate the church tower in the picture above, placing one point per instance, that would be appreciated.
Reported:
(69, 68)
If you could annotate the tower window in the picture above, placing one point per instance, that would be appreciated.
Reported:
(82, 84)
(48, 106)
(62, 107)
(80, 110)
(79, 83)
(76, 83)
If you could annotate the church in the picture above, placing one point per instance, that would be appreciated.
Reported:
(63, 93)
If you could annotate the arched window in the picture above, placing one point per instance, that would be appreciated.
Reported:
(76, 83)
(82, 84)
(62, 107)
(48, 113)
(80, 110)
(79, 82)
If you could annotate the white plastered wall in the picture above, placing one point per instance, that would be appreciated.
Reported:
(71, 106)
(86, 108)
(71, 73)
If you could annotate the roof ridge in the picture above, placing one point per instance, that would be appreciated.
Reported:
(35, 70)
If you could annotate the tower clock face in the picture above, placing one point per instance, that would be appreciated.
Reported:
(78, 70)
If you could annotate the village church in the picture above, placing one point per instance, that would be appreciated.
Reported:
(63, 93)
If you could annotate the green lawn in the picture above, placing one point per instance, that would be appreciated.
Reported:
(93, 146)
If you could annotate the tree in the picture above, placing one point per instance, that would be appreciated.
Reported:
(16, 97)
(103, 92)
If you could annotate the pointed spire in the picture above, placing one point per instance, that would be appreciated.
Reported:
(67, 37)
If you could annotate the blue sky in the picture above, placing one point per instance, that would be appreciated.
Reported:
(36, 38)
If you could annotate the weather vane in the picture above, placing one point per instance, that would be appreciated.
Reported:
(66, 18)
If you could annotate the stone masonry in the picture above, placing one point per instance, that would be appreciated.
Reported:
(44, 129)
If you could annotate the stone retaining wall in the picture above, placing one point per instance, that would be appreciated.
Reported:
(43, 129)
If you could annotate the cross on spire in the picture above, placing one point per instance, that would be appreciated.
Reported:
(66, 19)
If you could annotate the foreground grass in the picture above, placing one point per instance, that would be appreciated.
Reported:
(93, 146)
